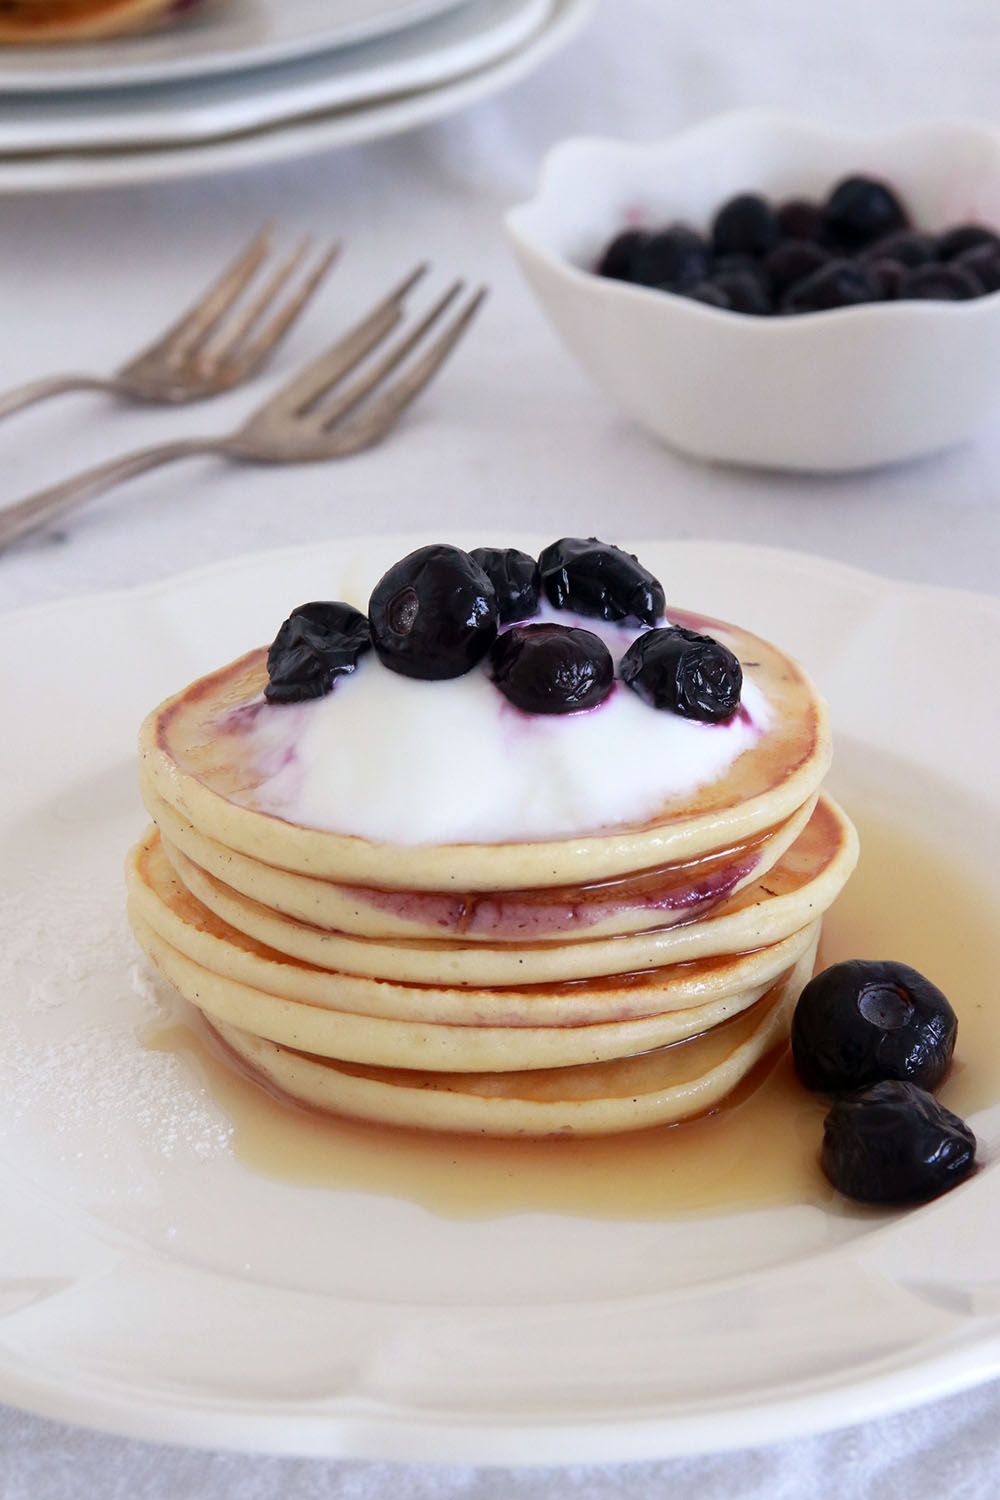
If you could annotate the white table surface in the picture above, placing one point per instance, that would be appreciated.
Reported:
(511, 435)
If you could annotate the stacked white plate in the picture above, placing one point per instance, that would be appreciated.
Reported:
(254, 81)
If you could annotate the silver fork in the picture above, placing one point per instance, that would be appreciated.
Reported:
(223, 339)
(314, 417)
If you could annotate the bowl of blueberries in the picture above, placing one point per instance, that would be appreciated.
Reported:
(765, 291)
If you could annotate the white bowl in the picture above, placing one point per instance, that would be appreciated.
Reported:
(843, 389)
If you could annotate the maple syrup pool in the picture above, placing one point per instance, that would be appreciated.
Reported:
(908, 900)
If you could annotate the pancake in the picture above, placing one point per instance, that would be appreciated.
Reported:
(658, 1088)
(158, 899)
(418, 1045)
(193, 757)
(32, 21)
(660, 898)
(796, 892)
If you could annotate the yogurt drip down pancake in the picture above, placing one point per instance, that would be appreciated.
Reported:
(518, 850)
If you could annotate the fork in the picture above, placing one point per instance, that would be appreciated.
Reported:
(314, 417)
(220, 342)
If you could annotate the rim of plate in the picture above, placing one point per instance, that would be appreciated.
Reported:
(294, 137)
(356, 1426)
(76, 76)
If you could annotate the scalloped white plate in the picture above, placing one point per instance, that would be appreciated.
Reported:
(242, 122)
(152, 1285)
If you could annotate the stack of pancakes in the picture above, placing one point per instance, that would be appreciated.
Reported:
(623, 978)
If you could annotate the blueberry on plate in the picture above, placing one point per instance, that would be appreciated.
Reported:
(888, 276)
(618, 260)
(434, 614)
(674, 258)
(953, 282)
(861, 210)
(801, 219)
(963, 237)
(984, 263)
(593, 578)
(552, 669)
(894, 1143)
(709, 293)
(516, 579)
(744, 225)
(318, 643)
(792, 260)
(840, 283)
(860, 1022)
(687, 673)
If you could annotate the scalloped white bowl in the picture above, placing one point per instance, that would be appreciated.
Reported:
(837, 390)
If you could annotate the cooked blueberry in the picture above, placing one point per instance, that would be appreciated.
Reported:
(861, 210)
(687, 673)
(674, 258)
(894, 1143)
(964, 237)
(888, 275)
(618, 260)
(951, 283)
(552, 669)
(434, 614)
(801, 219)
(318, 643)
(710, 293)
(984, 263)
(860, 1022)
(905, 245)
(745, 291)
(840, 283)
(745, 226)
(792, 260)
(516, 579)
(594, 578)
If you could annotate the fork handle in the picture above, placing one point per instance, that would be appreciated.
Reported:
(56, 385)
(48, 505)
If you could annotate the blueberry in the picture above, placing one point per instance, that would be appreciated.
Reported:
(594, 578)
(951, 283)
(984, 263)
(552, 669)
(801, 219)
(792, 260)
(888, 275)
(861, 210)
(434, 614)
(516, 579)
(745, 291)
(745, 225)
(738, 262)
(687, 673)
(962, 237)
(840, 283)
(860, 1022)
(618, 260)
(710, 293)
(906, 246)
(894, 1143)
(673, 259)
(318, 643)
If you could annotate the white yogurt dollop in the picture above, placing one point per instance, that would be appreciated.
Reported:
(397, 760)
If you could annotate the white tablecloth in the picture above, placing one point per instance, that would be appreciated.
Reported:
(511, 436)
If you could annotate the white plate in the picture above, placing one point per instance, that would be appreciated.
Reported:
(152, 1285)
(470, 36)
(323, 131)
(233, 35)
